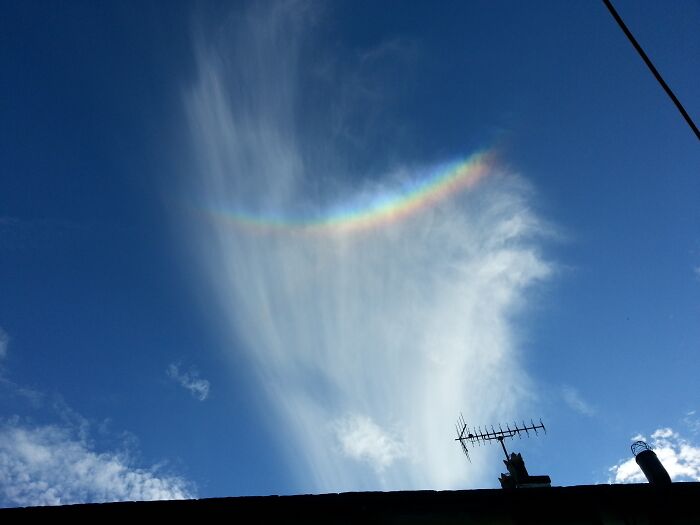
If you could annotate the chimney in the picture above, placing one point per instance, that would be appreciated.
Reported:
(650, 464)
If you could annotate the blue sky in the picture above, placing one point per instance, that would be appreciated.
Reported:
(146, 334)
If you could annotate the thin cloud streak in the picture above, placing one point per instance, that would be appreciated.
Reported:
(189, 380)
(572, 397)
(4, 343)
(367, 346)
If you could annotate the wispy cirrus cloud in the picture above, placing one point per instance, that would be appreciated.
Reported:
(189, 380)
(679, 456)
(394, 328)
(57, 465)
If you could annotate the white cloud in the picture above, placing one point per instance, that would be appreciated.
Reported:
(189, 380)
(408, 324)
(58, 464)
(573, 398)
(55, 465)
(362, 439)
(680, 457)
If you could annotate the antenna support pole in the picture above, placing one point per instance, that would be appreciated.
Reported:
(501, 440)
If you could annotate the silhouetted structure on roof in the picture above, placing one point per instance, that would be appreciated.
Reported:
(642, 504)
(650, 464)
(658, 503)
(517, 475)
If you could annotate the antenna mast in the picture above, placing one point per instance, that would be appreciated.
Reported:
(477, 436)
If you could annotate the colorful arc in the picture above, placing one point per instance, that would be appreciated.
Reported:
(451, 179)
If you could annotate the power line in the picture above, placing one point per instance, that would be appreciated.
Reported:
(654, 71)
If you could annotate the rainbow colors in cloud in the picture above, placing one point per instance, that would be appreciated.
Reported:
(380, 210)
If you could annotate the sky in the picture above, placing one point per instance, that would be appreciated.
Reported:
(254, 248)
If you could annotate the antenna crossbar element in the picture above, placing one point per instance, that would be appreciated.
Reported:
(475, 436)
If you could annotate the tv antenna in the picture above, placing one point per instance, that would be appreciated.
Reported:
(474, 436)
